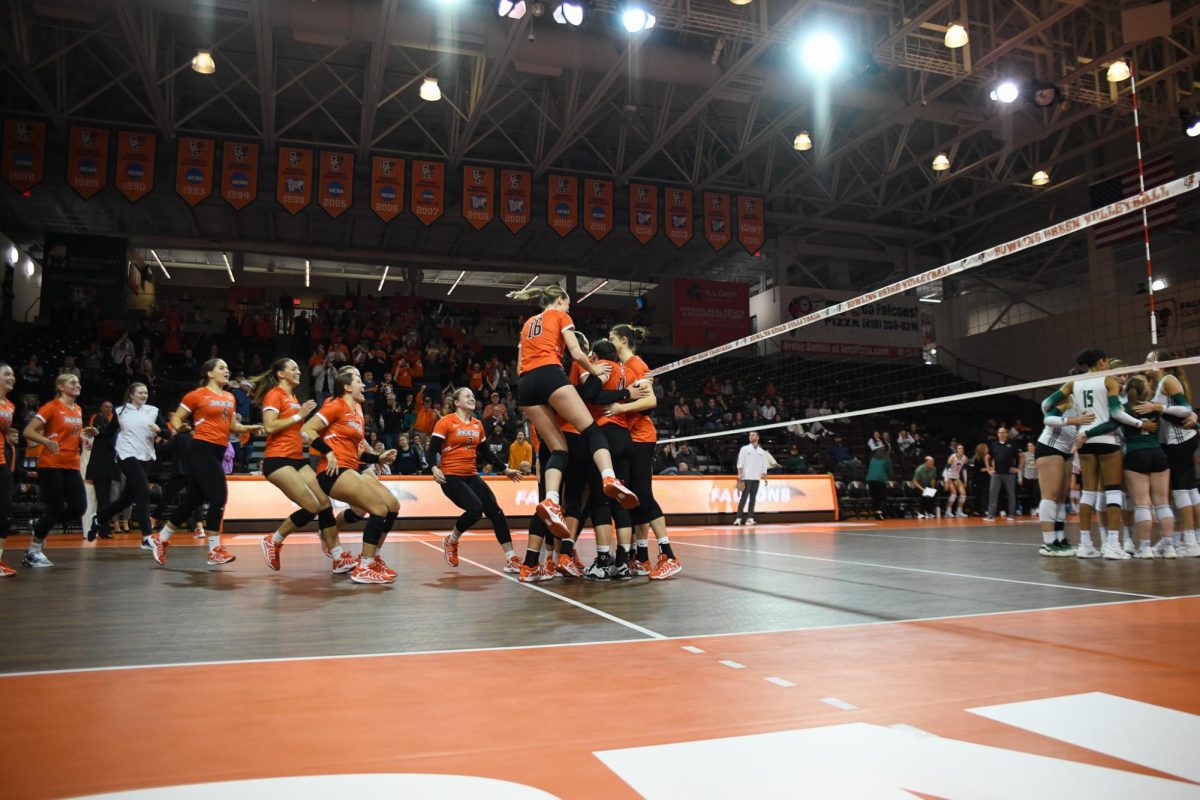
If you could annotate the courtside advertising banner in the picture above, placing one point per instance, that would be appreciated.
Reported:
(428, 190)
(252, 498)
(87, 160)
(516, 198)
(293, 189)
(479, 189)
(24, 153)
(239, 173)
(597, 207)
(708, 313)
(716, 220)
(678, 214)
(887, 329)
(562, 203)
(194, 169)
(752, 230)
(335, 182)
(643, 211)
(387, 187)
(135, 164)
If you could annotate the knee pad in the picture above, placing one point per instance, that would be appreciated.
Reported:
(350, 517)
(1060, 515)
(1047, 510)
(326, 519)
(1182, 498)
(1141, 514)
(558, 460)
(1163, 512)
(301, 518)
(1195, 496)
(1114, 497)
(1089, 498)
(595, 438)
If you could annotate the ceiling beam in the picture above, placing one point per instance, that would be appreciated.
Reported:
(373, 80)
(264, 53)
(482, 102)
(10, 43)
(142, 46)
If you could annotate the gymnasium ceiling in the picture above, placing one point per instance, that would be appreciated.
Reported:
(710, 98)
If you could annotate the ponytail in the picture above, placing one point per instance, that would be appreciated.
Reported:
(268, 380)
(1177, 372)
(543, 296)
(632, 334)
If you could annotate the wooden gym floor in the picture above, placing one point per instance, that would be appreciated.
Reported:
(935, 659)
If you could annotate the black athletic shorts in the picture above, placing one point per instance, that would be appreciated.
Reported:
(1102, 449)
(1146, 460)
(1044, 450)
(326, 481)
(269, 465)
(535, 387)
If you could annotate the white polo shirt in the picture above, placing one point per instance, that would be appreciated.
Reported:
(135, 439)
(752, 462)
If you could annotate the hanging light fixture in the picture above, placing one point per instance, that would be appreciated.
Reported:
(13, 255)
(307, 272)
(1118, 71)
(228, 267)
(941, 162)
(430, 90)
(956, 36)
(802, 141)
(511, 10)
(637, 19)
(386, 269)
(1006, 92)
(1041, 178)
(569, 13)
(203, 63)
(741, 2)
(30, 267)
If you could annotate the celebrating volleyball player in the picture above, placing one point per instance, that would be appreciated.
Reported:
(456, 438)
(8, 379)
(211, 410)
(135, 426)
(1173, 400)
(286, 468)
(1148, 477)
(1053, 452)
(543, 388)
(337, 431)
(956, 486)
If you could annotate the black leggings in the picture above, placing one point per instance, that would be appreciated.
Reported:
(620, 448)
(205, 482)
(6, 491)
(641, 483)
(174, 486)
(878, 494)
(137, 491)
(63, 498)
(1181, 457)
(475, 498)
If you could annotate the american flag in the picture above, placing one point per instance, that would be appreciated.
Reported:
(1158, 172)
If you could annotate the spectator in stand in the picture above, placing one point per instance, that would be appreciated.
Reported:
(92, 363)
(68, 367)
(147, 375)
(496, 441)
(683, 416)
(711, 419)
(496, 408)
(31, 377)
(839, 454)
(796, 463)
(392, 417)
(810, 410)
(409, 460)
(887, 441)
(925, 478)
(904, 441)
(520, 451)
(768, 410)
(879, 472)
(874, 443)
(122, 349)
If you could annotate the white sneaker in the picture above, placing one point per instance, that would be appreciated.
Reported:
(1144, 551)
(1086, 550)
(737, 520)
(1010, 519)
(988, 518)
(750, 521)
(920, 515)
(33, 559)
(1127, 546)
(1166, 549)
(961, 515)
(1185, 550)
(1114, 552)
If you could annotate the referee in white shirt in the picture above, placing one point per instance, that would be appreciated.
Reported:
(752, 468)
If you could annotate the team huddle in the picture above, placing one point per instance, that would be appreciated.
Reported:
(594, 445)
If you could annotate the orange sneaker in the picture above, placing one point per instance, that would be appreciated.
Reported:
(529, 574)
(6, 571)
(325, 549)
(366, 572)
(547, 571)
(219, 555)
(450, 551)
(551, 513)
(270, 551)
(578, 564)
(665, 568)
(616, 490)
(158, 549)
(344, 563)
(568, 567)
(512, 565)
(640, 568)
(384, 568)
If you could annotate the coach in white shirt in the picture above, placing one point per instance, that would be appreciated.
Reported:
(136, 427)
(752, 469)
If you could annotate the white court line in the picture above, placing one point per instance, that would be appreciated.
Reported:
(923, 571)
(633, 626)
(732, 664)
(506, 648)
(779, 681)
(842, 704)
(692, 649)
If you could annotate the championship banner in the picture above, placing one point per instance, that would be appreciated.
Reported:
(293, 188)
(335, 182)
(678, 213)
(598, 207)
(239, 173)
(428, 190)
(387, 187)
(752, 231)
(716, 220)
(562, 203)
(194, 169)
(479, 191)
(87, 160)
(709, 313)
(135, 164)
(643, 211)
(516, 199)
(24, 153)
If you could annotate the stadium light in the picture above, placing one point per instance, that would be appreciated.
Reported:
(457, 280)
(1118, 71)
(30, 267)
(13, 255)
(802, 141)
(822, 53)
(1006, 92)
(956, 36)
(598, 287)
(569, 13)
(637, 19)
(1158, 284)
(203, 63)
(307, 272)
(1191, 126)
(941, 162)
(430, 90)
(1041, 178)
(384, 278)
(160, 264)
(511, 10)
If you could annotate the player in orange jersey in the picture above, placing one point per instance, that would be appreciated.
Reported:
(453, 450)
(285, 466)
(337, 431)
(8, 379)
(211, 410)
(58, 428)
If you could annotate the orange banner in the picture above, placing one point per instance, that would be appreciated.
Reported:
(678, 212)
(87, 160)
(597, 207)
(24, 153)
(643, 211)
(516, 198)
(194, 169)
(239, 173)
(716, 220)
(479, 193)
(251, 498)
(562, 203)
(293, 188)
(387, 187)
(428, 190)
(335, 182)
(135, 164)
(752, 231)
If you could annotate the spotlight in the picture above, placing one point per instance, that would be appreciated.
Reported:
(802, 141)
(1006, 92)
(1044, 95)
(1041, 178)
(1191, 127)
(1158, 284)
(430, 90)
(13, 255)
(203, 63)
(1118, 71)
(569, 13)
(956, 36)
(741, 2)
(537, 8)
(507, 8)
(637, 19)
(941, 162)
(822, 53)
(29, 267)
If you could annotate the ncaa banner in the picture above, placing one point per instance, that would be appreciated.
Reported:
(516, 198)
(643, 211)
(598, 207)
(716, 220)
(194, 169)
(293, 189)
(135, 164)
(24, 153)
(387, 187)
(335, 183)
(562, 203)
(87, 160)
(479, 189)
(752, 231)
(678, 212)
(239, 173)
(428, 190)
